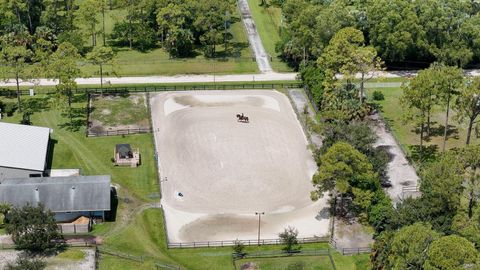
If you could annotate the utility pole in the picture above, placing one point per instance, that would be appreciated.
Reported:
(259, 214)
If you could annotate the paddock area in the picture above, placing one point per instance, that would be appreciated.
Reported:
(217, 171)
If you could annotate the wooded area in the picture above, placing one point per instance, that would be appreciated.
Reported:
(337, 46)
(414, 31)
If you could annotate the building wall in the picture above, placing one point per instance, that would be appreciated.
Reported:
(6, 173)
(71, 216)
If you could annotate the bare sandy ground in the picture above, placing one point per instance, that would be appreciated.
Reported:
(53, 263)
(227, 170)
(400, 173)
(254, 38)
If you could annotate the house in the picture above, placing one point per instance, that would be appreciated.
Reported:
(125, 156)
(67, 197)
(23, 150)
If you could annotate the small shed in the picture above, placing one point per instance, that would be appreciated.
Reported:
(124, 155)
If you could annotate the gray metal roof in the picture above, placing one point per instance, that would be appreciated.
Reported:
(23, 146)
(59, 194)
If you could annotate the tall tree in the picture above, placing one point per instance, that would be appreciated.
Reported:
(442, 188)
(452, 252)
(16, 59)
(32, 228)
(64, 68)
(418, 99)
(448, 81)
(467, 105)
(470, 159)
(86, 16)
(409, 245)
(346, 172)
(101, 56)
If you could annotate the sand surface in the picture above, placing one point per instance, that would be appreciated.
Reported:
(226, 170)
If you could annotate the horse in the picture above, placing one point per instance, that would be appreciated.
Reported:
(242, 118)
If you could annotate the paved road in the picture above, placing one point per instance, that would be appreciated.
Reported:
(254, 39)
(271, 76)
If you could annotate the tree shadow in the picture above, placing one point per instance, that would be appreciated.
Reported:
(36, 104)
(382, 172)
(437, 131)
(76, 119)
(428, 153)
(79, 98)
(440, 129)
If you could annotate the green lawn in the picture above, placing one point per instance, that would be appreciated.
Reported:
(300, 262)
(157, 62)
(146, 237)
(137, 232)
(72, 254)
(268, 20)
(406, 133)
(93, 155)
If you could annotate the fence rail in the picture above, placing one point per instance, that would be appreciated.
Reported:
(117, 132)
(352, 251)
(122, 255)
(158, 88)
(244, 242)
(280, 253)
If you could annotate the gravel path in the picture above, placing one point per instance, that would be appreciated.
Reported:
(300, 100)
(261, 56)
(402, 175)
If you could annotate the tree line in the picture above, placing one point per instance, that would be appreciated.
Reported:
(438, 229)
(446, 31)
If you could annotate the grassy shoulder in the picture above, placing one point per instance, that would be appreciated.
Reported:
(130, 62)
(407, 134)
(268, 21)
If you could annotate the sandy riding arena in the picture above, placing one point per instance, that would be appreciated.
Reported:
(217, 172)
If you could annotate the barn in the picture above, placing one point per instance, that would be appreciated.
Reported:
(67, 197)
(24, 150)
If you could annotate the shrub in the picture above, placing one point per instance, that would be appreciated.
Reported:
(9, 108)
(238, 248)
(289, 239)
(378, 95)
(24, 263)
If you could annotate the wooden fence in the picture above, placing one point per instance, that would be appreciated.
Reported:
(349, 250)
(118, 132)
(227, 243)
(159, 88)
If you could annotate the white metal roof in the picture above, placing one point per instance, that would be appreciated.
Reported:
(23, 147)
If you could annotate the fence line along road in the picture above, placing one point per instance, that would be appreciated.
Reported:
(160, 88)
(258, 77)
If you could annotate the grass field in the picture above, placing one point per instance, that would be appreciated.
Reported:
(137, 230)
(304, 263)
(268, 21)
(157, 62)
(114, 110)
(407, 134)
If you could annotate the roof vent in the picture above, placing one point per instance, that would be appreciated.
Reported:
(73, 187)
(36, 188)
